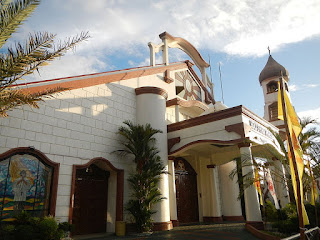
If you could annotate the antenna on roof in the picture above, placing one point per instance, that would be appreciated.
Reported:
(221, 82)
(210, 69)
(269, 51)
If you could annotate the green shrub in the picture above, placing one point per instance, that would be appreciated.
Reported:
(271, 213)
(26, 227)
(289, 226)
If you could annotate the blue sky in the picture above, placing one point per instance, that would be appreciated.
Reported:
(233, 32)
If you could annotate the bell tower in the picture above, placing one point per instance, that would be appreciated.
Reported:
(269, 78)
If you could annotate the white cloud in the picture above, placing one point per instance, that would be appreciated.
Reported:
(293, 88)
(240, 27)
(313, 113)
(69, 65)
(310, 85)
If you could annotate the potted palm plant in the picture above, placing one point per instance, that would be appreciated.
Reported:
(139, 141)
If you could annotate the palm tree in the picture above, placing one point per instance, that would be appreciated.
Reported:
(139, 141)
(308, 142)
(24, 58)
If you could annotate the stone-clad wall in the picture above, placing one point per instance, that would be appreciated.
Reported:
(72, 128)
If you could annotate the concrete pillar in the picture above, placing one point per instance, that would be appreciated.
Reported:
(177, 113)
(280, 183)
(231, 205)
(172, 193)
(152, 54)
(151, 108)
(165, 53)
(215, 211)
(251, 198)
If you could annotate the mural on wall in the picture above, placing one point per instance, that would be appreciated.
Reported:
(25, 184)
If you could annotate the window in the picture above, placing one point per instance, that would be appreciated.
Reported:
(26, 183)
(272, 87)
(273, 111)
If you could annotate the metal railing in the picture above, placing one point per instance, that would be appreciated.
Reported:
(311, 234)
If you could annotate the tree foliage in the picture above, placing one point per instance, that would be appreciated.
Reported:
(24, 58)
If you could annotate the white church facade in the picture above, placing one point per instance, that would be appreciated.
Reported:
(63, 151)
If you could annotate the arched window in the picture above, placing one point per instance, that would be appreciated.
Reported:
(273, 111)
(28, 182)
(272, 87)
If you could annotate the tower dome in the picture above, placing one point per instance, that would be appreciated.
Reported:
(272, 69)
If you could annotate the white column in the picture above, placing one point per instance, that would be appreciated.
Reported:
(231, 205)
(251, 198)
(152, 54)
(151, 108)
(172, 192)
(280, 182)
(177, 113)
(215, 194)
(165, 53)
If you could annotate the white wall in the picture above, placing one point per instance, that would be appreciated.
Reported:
(73, 128)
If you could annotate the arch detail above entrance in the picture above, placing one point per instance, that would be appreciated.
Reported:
(106, 165)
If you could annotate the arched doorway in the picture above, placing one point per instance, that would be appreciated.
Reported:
(187, 193)
(96, 200)
(90, 200)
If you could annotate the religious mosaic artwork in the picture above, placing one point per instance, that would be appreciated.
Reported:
(186, 86)
(25, 184)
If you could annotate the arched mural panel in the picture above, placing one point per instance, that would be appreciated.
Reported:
(28, 182)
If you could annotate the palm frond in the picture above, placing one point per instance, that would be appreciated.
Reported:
(12, 14)
(12, 98)
(25, 58)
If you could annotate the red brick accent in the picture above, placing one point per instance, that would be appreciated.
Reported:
(162, 226)
(237, 128)
(260, 234)
(185, 103)
(213, 219)
(120, 185)
(167, 77)
(233, 218)
(258, 225)
(211, 166)
(100, 78)
(223, 114)
(45, 159)
(244, 144)
(172, 142)
(230, 142)
(175, 223)
(152, 90)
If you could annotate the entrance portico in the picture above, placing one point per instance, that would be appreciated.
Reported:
(210, 143)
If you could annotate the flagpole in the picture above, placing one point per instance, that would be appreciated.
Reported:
(289, 139)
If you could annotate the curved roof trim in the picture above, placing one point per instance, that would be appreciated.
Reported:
(187, 104)
(188, 48)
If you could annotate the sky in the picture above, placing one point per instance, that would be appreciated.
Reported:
(234, 33)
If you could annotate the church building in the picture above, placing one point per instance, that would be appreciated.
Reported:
(59, 159)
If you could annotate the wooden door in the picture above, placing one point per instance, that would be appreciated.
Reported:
(187, 194)
(90, 200)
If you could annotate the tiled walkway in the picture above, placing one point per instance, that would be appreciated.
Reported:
(232, 231)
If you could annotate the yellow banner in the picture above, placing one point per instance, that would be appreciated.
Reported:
(257, 184)
(314, 191)
(295, 129)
